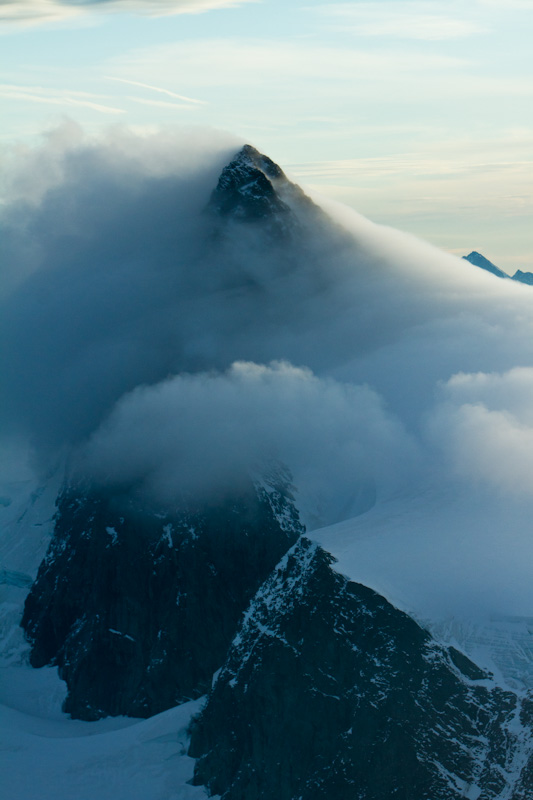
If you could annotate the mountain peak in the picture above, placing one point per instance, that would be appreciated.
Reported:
(250, 156)
(479, 260)
(523, 277)
(246, 189)
(253, 188)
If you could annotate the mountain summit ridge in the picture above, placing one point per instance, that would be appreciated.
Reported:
(253, 188)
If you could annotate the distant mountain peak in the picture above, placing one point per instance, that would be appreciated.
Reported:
(523, 277)
(479, 260)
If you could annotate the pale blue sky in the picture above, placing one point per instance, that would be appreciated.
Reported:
(417, 114)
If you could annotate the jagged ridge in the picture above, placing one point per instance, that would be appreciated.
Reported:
(137, 606)
(328, 691)
(252, 188)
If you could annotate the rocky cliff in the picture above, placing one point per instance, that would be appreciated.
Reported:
(136, 606)
(328, 691)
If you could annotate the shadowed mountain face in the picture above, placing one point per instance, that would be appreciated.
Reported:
(137, 607)
(328, 691)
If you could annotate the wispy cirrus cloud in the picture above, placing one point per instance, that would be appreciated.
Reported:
(508, 5)
(160, 103)
(157, 89)
(275, 65)
(57, 97)
(406, 20)
(30, 12)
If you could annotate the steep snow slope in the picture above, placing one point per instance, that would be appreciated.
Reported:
(458, 560)
(26, 526)
(112, 759)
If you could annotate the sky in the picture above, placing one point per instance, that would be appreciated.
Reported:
(419, 115)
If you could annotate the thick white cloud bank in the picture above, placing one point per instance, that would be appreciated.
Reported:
(200, 434)
(485, 426)
(167, 351)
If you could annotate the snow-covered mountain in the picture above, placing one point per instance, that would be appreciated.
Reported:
(171, 600)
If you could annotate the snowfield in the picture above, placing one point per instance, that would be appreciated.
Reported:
(454, 560)
(113, 759)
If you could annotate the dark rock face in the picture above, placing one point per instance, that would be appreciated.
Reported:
(245, 189)
(136, 607)
(252, 188)
(328, 691)
(524, 787)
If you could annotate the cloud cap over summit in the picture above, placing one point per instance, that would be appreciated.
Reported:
(130, 275)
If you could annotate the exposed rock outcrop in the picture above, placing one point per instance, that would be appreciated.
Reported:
(137, 607)
(252, 188)
(330, 692)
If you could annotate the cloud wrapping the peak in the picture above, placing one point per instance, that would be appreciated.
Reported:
(166, 352)
(199, 435)
(127, 300)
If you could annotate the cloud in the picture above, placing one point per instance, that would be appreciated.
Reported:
(102, 250)
(160, 103)
(157, 89)
(485, 427)
(406, 20)
(163, 351)
(276, 63)
(116, 277)
(508, 5)
(39, 11)
(478, 192)
(204, 433)
(59, 97)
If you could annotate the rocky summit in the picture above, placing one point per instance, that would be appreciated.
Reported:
(252, 188)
